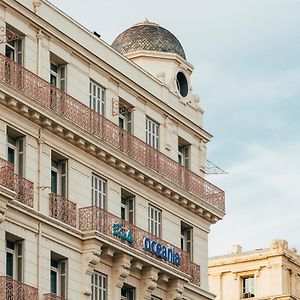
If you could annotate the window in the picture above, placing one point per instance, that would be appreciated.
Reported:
(127, 292)
(58, 275)
(182, 84)
(98, 191)
(152, 133)
(59, 175)
(97, 98)
(125, 116)
(248, 287)
(58, 75)
(184, 153)
(186, 238)
(14, 258)
(15, 150)
(14, 46)
(155, 298)
(99, 286)
(154, 220)
(127, 206)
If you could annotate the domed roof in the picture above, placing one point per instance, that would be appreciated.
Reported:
(147, 36)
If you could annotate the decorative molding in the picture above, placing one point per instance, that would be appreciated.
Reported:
(149, 281)
(175, 289)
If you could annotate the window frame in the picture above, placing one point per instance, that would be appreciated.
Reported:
(249, 290)
(101, 287)
(155, 223)
(61, 276)
(95, 200)
(17, 256)
(60, 81)
(61, 171)
(97, 98)
(186, 237)
(17, 48)
(17, 145)
(128, 206)
(152, 133)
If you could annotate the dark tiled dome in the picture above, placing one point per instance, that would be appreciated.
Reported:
(147, 36)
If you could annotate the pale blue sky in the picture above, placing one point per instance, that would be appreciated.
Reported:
(246, 55)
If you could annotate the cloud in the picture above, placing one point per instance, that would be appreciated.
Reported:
(262, 199)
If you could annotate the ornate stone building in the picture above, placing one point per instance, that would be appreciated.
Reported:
(102, 162)
(265, 274)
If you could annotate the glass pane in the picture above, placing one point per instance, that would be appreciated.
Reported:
(53, 285)
(9, 264)
(11, 155)
(53, 182)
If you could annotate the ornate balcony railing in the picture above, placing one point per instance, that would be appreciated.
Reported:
(66, 106)
(62, 209)
(51, 296)
(94, 218)
(21, 186)
(15, 290)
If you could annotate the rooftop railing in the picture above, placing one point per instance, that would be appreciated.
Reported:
(21, 186)
(11, 289)
(47, 95)
(94, 218)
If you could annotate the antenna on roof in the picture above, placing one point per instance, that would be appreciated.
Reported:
(211, 168)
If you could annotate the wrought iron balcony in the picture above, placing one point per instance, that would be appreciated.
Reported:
(94, 218)
(11, 289)
(51, 296)
(45, 94)
(21, 186)
(62, 209)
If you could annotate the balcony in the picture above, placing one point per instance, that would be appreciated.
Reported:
(94, 218)
(62, 209)
(43, 93)
(11, 289)
(21, 186)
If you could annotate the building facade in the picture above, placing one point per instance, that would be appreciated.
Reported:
(102, 162)
(265, 274)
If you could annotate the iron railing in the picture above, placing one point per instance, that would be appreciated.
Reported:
(11, 289)
(51, 296)
(21, 186)
(62, 209)
(94, 218)
(66, 106)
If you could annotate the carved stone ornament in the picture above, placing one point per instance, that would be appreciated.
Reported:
(2, 216)
(175, 290)
(149, 282)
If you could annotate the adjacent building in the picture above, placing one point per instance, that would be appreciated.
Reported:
(264, 274)
(102, 162)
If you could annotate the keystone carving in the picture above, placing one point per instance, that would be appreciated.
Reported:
(149, 282)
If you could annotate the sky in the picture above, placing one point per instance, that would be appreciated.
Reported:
(246, 55)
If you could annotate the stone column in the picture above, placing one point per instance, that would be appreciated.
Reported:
(120, 271)
(149, 282)
(39, 37)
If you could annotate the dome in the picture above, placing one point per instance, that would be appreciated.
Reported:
(147, 36)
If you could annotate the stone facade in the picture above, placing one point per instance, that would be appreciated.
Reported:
(88, 206)
(265, 274)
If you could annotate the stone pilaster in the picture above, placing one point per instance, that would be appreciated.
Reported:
(120, 271)
(175, 289)
(149, 282)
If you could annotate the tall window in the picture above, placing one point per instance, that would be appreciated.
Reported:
(127, 292)
(248, 287)
(125, 115)
(98, 191)
(127, 207)
(184, 149)
(16, 150)
(186, 238)
(152, 133)
(14, 47)
(97, 98)
(59, 175)
(58, 75)
(14, 259)
(99, 286)
(154, 220)
(58, 276)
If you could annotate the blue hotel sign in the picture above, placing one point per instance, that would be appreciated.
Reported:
(123, 233)
(166, 253)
